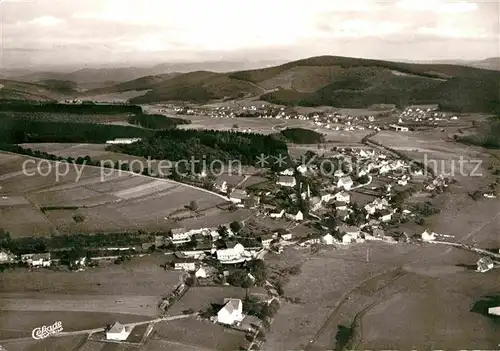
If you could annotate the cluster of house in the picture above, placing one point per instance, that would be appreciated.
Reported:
(32, 259)
(123, 141)
(208, 242)
(425, 114)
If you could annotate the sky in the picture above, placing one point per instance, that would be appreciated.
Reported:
(35, 33)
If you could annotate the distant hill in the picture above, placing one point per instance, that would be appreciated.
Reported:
(329, 80)
(92, 78)
(492, 63)
(43, 91)
(336, 81)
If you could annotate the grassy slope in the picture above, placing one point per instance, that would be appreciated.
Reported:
(28, 91)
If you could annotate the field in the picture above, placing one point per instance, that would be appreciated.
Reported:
(129, 292)
(109, 200)
(192, 334)
(256, 125)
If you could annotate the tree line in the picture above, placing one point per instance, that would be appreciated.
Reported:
(209, 145)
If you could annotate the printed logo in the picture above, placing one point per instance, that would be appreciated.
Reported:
(46, 331)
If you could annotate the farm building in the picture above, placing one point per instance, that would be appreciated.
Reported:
(343, 196)
(299, 216)
(266, 240)
(327, 239)
(118, 332)
(233, 251)
(37, 260)
(287, 181)
(345, 182)
(5, 257)
(184, 263)
(221, 185)
(398, 128)
(231, 313)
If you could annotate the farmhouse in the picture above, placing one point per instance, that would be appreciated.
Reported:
(118, 332)
(328, 239)
(398, 128)
(426, 236)
(266, 240)
(231, 313)
(286, 236)
(350, 230)
(221, 185)
(37, 260)
(201, 273)
(123, 141)
(494, 311)
(180, 235)
(234, 251)
(301, 169)
(343, 196)
(345, 182)
(287, 181)
(184, 263)
(299, 216)
(385, 215)
(5, 257)
(238, 196)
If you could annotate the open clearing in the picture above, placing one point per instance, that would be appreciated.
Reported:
(196, 334)
(110, 200)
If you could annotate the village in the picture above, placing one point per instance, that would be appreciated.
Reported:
(318, 200)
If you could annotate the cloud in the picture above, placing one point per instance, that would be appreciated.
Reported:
(46, 21)
(438, 6)
(453, 32)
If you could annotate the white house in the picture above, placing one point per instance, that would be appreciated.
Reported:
(221, 185)
(343, 196)
(231, 313)
(351, 230)
(238, 196)
(399, 128)
(5, 257)
(426, 236)
(299, 216)
(494, 311)
(287, 172)
(328, 239)
(266, 240)
(200, 273)
(234, 252)
(180, 235)
(348, 239)
(287, 236)
(287, 181)
(118, 332)
(123, 141)
(37, 260)
(301, 169)
(185, 264)
(345, 182)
